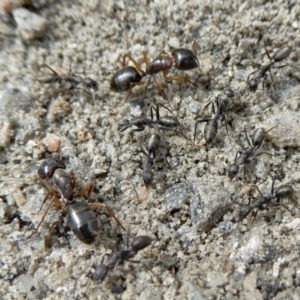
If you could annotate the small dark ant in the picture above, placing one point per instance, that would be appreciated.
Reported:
(211, 126)
(273, 198)
(242, 157)
(139, 122)
(73, 80)
(165, 123)
(82, 219)
(280, 55)
(153, 143)
(147, 171)
(116, 258)
(146, 165)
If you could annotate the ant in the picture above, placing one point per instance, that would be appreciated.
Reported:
(82, 219)
(73, 80)
(128, 77)
(153, 143)
(146, 165)
(118, 257)
(273, 198)
(211, 126)
(166, 122)
(280, 55)
(242, 158)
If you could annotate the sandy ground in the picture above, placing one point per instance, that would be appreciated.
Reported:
(200, 249)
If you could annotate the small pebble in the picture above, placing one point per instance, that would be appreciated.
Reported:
(30, 25)
(52, 142)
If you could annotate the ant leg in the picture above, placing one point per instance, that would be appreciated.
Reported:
(160, 104)
(267, 52)
(111, 213)
(163, 52)
(44, 201)
(132, 85)
(255, 214)
(287, 65)
(278, 204)
(140, 128)
(161, 89)
(145, 56)
(54, 193)
(73, 179)
(88, 189)
(268, 153)
(55, 73)
(227, 128)
(272, 128)
(89, 93)
(272, 186)
(260, 192)
(136, 194)
(177, 78)
(247, 138)
(272, 79)
(43, 217)
(240, 144)
(136, 64)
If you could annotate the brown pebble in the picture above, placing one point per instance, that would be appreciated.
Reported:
(52, 142)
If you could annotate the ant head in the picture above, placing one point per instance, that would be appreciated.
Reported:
(253, 84)
(49, 166)
(245, 211)
(233, 170)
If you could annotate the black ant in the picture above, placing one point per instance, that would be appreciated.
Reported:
(119, 257)
(211, 126)
(280, 55)
(166, 122)
(73, 80)
(153, 143)
(242, 157)
(273, 198)
(82, 219)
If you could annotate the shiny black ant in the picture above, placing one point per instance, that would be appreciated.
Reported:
(280, 55)
(211, 126)
(153, 143)
(128, 77)
(114, 259)
(243, 157)
(273, 198)
(82, 219)
(164, 123)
